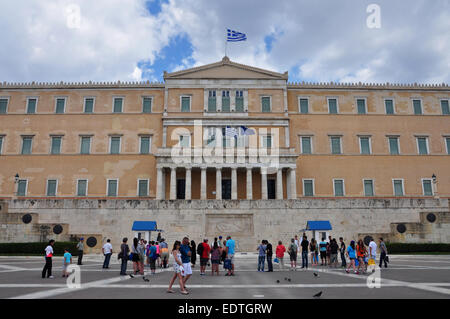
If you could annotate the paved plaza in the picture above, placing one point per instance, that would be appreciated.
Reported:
(417, 276)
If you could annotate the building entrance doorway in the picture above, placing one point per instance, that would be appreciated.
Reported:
(226, 188)
(181, 189)
(271, 189)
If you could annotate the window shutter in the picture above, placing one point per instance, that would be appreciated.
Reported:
(145, 145)
(361, 106)
(306, 145)
(3, 105)
(26, 145)
(22, 188)
(60, 103)
(85, 145)
(31, 108)
(393, 145)
(265, 104)
(308, 185)
(422, 141)
(82, 188)
(185, 104)
(143, 188)
(368, 188)
(88, 105)
(115, 145)
(336, 145)
(112, 188)
(445, 108)
(427, 190)
(338, 188)
(118, 105)
(51, 188)
(398, 189)
(389, 106)
(417, 107)
(365, 147)
(332, 104)
(147, 105)
(304, 106)
(56, 145)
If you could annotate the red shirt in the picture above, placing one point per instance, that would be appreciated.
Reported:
(206, 250)
(280, 251)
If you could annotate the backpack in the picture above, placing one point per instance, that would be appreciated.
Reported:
(200, 249)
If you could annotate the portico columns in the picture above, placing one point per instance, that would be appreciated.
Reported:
(264, 183)
(218, 183)
(249, 184)
(293, 183)
(233, 183)
(173, 183)
(159, 181)
(279, 183)
(188, 184)
(203, 183)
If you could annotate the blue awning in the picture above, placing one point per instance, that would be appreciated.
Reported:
(318, 225)
(140, 225)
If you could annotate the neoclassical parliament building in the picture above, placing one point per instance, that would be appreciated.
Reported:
(226, 148)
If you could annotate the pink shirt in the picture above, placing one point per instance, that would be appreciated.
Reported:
(157, 249)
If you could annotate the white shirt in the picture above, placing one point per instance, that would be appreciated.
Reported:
(49, 251)
(373, 248)
(107, 248)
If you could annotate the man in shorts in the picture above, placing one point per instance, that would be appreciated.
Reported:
(204, 257)
(164, 248)
(230, 249)
(292, 250)
(185, 251)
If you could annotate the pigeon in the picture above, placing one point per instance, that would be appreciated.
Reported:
(317, 295)
(285, 278)
(145, 279)
(278, 281)
(289, 279)
(131, 276)
(316, 274)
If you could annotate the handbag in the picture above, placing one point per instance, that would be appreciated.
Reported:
(371, 262)
(276, 260)
(130, 256)
(227, 264)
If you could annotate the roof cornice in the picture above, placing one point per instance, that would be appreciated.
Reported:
(79, 85)
(367, 86)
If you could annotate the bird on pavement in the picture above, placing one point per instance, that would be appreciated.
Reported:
(278, 281)
(317, 295)
(131, 276)
(316, 274)
(145, 279)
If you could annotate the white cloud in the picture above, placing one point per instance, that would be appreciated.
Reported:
(323, 40)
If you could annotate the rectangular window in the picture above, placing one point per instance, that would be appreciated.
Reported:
(56, 145)
(82, 187)
(308, 187)
(51, 187)
(26, 144)
(389, 106)
(393, 146)
(338, 187)
(332, 106)
(306, 144)
(445, 108)
(422, 145)
(427, 187)
(1, 144)
(115, 145)
(364, 143)
(112, 187)
(184, 140)
(142, 187)
(239, 101)
(118, 105)
(89, 105)
(398, 187)
(60, 106)
(185, 104)
(226, 101)
(22, 187)
(266, 141)
(336, 145)
(417, 105)
(212, 103)
(303, 106)
(145, 145)
(3, 106)
(368, 187)
(85, 145)
(31, 106)
(211, 137)
(361, 104)
(265, 104)
(447, 143)
(147, 105)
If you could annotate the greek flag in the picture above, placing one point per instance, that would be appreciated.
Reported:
(234, 36)
(231, 131)
(246, 131)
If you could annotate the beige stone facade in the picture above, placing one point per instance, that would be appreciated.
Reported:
(311, 141)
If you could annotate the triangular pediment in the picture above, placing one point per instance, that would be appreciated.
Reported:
(226, 69)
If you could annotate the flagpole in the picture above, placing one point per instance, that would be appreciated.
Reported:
(226, 41)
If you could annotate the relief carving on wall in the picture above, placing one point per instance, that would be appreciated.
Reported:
(237, 225)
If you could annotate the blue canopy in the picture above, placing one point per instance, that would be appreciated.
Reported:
(140, 225)
(318, 225)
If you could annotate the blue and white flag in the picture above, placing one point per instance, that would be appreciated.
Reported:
(231, 131)
(247, 131)
(234, 36)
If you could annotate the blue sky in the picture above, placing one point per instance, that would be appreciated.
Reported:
(316, 41)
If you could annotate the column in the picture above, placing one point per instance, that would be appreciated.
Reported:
(233, 183)
(249, 184)
(264, 183)
(219, 183)
(173, 183)
(293, 185)
(203, 183)
(159, 181)
(188, 183)
(288, 184)
(279, 183)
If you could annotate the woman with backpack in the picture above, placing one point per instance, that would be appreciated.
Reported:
(178, 268)
(135, 255)
(193, 254)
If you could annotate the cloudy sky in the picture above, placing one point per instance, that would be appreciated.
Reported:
(326, 40)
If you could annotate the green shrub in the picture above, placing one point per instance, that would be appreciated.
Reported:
(36, 249)
(399, 248)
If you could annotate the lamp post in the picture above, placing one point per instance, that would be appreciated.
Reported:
(434, 178)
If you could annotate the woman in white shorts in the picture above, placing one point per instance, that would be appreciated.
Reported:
(177, 268)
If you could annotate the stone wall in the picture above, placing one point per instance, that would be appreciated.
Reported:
(247, 221)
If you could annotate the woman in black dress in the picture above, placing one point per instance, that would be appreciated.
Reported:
(193, 253)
